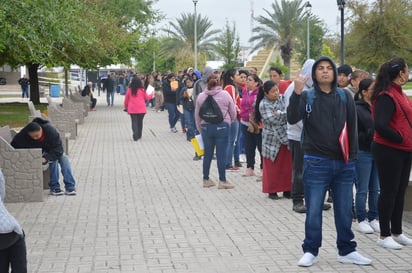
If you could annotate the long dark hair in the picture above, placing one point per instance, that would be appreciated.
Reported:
(135, 84)
(263, 89)
(363, 85)
(227, 78)
(386, 74)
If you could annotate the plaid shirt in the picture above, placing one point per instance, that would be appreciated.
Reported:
(274, 126)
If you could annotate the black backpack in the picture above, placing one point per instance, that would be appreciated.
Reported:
(210, 111)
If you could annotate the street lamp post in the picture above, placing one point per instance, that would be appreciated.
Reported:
(341, 5)
(195, 42)
(308, 7)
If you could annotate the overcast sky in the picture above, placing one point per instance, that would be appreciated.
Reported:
(239, 11)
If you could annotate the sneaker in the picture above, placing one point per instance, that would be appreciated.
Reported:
(308, 259)
(238, 164)
(249, 172)
(364, 227)
(207, 183)
(225, 185)
(242, 158)
(273, 196)
(354, 258)
(232, 169)
(70, 192)
(375, 225)
(299, 208)
(173, 130)
(388, 242)
(403, 240)
(287, 195)
(326, 206)
(56, 192)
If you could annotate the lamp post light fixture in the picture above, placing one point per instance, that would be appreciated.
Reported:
(308, 7)
(341, 5)
(195, 41)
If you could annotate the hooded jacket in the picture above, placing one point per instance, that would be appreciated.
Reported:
(294, 131)
(200, 84)
(51, 145)
(322, 127)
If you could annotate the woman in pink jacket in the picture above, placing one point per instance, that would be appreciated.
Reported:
(135, 104)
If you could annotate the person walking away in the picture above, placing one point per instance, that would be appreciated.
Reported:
(42, 134)
(24, 84)
(135, 103)
(13, 253)
(329, 142)
(367, 181)
(109, 85)
(392, 149)
(277, 159)
(252, 135)
(294, 132)
(215, 134)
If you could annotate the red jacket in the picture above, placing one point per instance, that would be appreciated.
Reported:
(401, 120)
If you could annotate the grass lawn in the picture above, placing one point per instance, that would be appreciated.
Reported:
(16, 114)
(407, 86)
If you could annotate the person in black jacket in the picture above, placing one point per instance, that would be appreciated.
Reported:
(330, 115)
(41, 134)
(170, 88)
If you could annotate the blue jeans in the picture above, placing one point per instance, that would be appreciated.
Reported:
(233, 132)
(190, 123)
(367, 187)
(250, 143)
(24, 91)
(320, 174)
(215, 135)
(110, 98)
(174, 114)
(66, 169)
(239, 144)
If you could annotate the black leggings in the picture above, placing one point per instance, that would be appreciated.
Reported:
(14, 256)
(394, 167)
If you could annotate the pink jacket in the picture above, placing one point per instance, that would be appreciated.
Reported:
(136, 104)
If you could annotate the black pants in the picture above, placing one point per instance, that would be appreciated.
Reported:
(297, 169)
(14, 256)
(93, 102)
(137, 125)
(394, 167)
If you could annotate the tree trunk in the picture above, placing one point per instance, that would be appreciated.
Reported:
(34, 83)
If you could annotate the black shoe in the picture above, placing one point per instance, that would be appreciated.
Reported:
(238, 164)
(196, 158)
(287, 194)
(326, 206)
(299, 208)
(274, 196)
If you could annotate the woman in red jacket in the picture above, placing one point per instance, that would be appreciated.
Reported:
(135, 104)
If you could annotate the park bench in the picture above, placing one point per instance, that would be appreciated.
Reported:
(22, 169)
(65, 120)
(77, 97)
(64, 136)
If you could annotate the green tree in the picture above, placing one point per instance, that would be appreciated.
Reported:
(378, 32)
(279, 28)
(180, 39)
(228, 46)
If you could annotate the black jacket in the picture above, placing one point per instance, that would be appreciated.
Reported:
(321, 129)
(365, 125)
(51, 146)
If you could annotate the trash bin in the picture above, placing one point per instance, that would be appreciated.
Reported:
(54, 91)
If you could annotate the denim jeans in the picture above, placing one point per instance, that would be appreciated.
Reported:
(233, 132)
(238, 144)
(174, 114)
(110, 98)
(367, 187)
(190, 123)
(320, 174)
(25, 91)
(215, 135)
(66, 169)
(251, 142)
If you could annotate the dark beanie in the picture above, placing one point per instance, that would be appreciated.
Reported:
(346, 69)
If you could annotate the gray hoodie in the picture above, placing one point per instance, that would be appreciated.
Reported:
(200, 85)
(294, 131)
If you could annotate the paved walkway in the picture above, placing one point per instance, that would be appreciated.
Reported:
(141, 208)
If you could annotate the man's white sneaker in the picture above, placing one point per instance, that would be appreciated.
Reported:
(403, 240)
(308, 259)
(354, 258)
(388, 242)
(364, 227)
(375, 225)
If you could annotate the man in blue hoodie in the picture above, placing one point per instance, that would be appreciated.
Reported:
(326, 113)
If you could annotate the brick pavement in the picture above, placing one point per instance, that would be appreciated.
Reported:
(141, 208)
